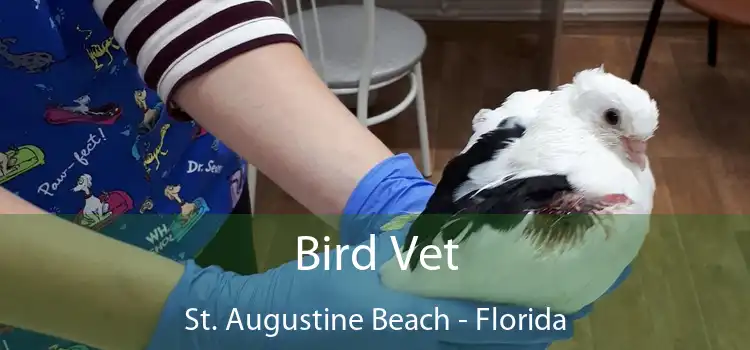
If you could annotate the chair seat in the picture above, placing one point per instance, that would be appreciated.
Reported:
(731, 11)
(399, 43)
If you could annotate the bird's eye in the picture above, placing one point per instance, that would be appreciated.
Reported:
(612, 116)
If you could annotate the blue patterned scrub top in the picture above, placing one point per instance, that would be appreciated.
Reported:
(82, 135)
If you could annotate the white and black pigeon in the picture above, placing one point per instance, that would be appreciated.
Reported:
(561, 161)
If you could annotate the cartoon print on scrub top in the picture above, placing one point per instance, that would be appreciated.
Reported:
(18, 160)
(189, 215)
(32, 62)
(100, 211)
(151, 159)
(150, 115)
(99, 50)
(74, 347)
(147, 205)
(236, 183)
(105, 114)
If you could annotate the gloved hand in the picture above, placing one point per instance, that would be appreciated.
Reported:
(393, 187)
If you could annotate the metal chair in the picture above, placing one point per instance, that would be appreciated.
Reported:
(362, 48)
(730, 11)
(357, 50)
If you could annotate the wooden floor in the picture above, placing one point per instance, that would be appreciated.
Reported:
(690, 289)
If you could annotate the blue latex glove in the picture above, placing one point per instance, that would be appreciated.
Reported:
(393, 187)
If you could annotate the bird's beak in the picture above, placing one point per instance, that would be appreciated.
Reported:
(635, 150)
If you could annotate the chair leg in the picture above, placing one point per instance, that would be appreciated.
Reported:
(424, 141)
(713, 40)
(648, 37)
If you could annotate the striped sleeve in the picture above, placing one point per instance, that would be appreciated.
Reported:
(171, 41)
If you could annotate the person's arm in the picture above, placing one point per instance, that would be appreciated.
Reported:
(236, 68)
(267, 115)
(268, 104)
(61, 279)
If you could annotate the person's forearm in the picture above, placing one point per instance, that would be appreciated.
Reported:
(271, 107)
(64, 280)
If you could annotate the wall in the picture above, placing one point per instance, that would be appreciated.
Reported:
(597, 10)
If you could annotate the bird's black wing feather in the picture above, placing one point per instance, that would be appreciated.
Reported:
(505, 206)
(502, 207)
(441, 207)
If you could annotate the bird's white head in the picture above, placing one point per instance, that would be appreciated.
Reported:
(621, 114)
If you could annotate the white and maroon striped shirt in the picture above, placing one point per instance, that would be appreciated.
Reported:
(173, 40)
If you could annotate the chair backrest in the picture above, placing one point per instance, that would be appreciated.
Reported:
(368, 44)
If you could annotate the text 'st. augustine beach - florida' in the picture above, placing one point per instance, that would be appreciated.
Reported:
(379, 320)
